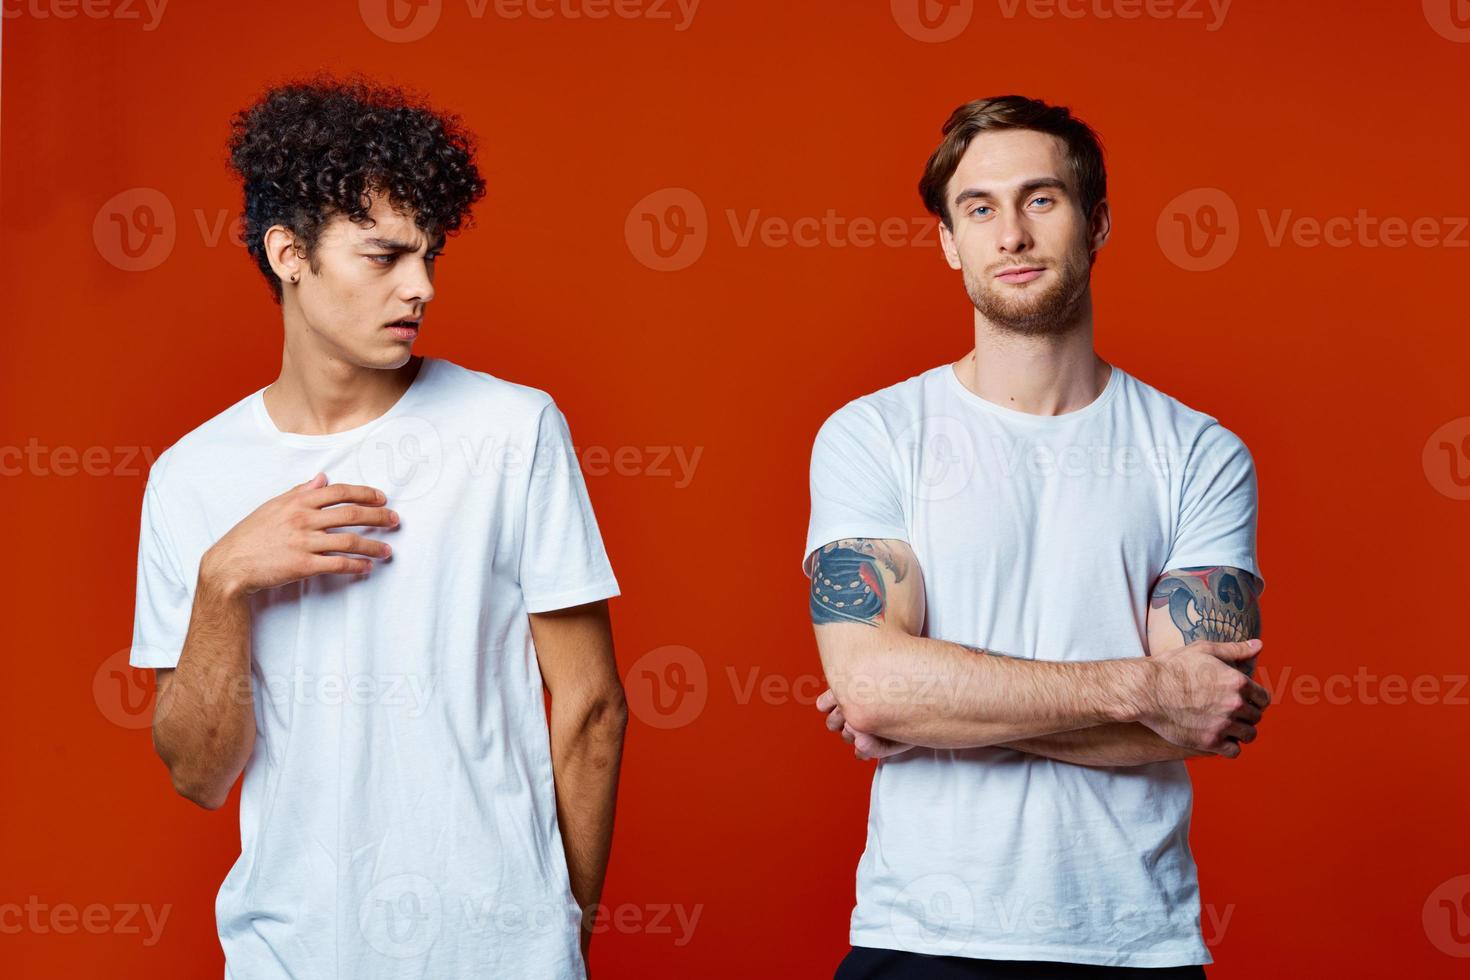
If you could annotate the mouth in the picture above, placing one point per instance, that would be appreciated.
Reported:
(1020, 273)
(403, 329)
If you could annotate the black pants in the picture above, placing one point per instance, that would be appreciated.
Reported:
(864, 963)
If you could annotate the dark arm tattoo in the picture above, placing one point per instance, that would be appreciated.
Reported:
(1210, 602)
(847, 583)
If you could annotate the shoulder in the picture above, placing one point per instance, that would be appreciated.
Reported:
(1196, 433)
(887, 411)
(198, 451)
(489, 396)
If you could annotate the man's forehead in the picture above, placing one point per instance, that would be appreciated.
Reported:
(1009, 156)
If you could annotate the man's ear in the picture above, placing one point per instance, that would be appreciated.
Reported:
(285, 256)
(1100, 226)
(946, 242)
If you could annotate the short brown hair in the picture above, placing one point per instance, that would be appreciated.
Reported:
(1084, 147)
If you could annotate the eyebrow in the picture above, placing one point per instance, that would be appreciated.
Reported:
(1035, 183)
(395, 245)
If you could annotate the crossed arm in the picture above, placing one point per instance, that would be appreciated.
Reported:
(892, 689)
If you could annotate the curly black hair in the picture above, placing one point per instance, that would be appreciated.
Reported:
(312, 149)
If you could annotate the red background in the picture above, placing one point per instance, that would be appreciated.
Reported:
(1336, 365)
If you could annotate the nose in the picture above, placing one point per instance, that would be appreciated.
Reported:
(418, 286)
(1015, 236)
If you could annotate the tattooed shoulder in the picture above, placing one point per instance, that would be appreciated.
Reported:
(847, 580)
(1210, 602)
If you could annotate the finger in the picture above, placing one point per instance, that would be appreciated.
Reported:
(1230, 749)
(849, 734)
(1256, 695)
(345, 541)
(344, 493)
(339, 565)
(826, 701)
(1248, 713)
(1241, 732)
(352, 515)
(317, 481)
(836, 720)
(876, 747)
(1237, 651)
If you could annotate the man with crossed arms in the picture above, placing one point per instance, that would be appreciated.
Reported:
(1029, 813)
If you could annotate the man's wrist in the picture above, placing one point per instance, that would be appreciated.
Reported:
(1134, 688)
(216, 582)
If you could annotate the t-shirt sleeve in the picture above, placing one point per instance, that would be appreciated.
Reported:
(164, 599)
(1217, 512)
(854, 489)
(563, 562)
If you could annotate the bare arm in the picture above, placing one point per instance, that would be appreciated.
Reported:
(1217, 603)
(906, 688)
(588, 717)
(204, 714)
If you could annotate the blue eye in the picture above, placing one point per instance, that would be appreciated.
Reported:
(390, 257)
(979, 209)
(1043, 198)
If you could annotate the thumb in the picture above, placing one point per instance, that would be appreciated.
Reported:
(1242, 650)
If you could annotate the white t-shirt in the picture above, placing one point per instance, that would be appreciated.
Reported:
(398, 813)
(1038, 537)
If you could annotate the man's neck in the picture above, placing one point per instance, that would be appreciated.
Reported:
(1048, 375)
(319, 396)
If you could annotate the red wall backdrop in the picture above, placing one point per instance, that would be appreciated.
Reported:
(1289, 253)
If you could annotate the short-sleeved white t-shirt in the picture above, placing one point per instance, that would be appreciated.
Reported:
(1038, 537)
(398, 813)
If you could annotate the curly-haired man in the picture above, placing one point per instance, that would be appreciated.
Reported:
(407, 808)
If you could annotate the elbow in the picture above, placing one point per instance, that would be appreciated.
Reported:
(868, 702)
(199, 792)
(603, 715)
